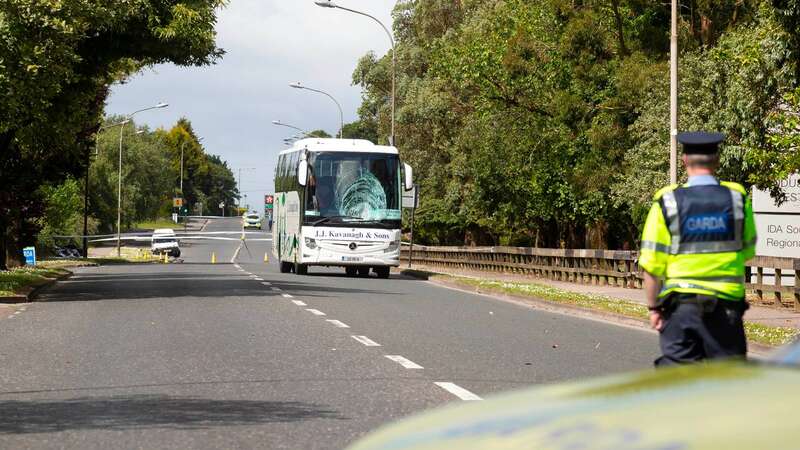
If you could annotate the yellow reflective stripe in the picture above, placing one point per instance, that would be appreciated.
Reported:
(671, 208)
(655, 246)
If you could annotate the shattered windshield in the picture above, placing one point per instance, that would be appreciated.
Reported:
(353, 187)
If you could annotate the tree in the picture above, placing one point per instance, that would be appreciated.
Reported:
(58, 60)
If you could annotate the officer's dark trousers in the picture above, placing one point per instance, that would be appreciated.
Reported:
(691, 335)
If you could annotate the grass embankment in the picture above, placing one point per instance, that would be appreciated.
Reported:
(12, 282)
(155, 224)
(756, 332)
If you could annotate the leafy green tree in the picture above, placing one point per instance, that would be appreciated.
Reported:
(58, 59)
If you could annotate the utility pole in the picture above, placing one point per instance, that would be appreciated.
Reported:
(673, 96)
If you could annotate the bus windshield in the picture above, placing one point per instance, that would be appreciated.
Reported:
(351, 186)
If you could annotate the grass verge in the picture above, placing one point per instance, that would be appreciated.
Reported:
(154, 224)
(756, 332)
(15, 280)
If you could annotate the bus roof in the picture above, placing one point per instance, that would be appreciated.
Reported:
(339, 145)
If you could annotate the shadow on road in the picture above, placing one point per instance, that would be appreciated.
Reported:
(149, 411)
(174, 284)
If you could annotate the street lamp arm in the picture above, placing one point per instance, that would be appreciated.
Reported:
(279, 123)
(341, 114)
(330, 4)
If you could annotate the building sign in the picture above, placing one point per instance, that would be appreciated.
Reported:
(778, 227)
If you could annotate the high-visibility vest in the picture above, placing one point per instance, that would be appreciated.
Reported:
(698, 238)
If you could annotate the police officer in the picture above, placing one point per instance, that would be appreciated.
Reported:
(696, 240)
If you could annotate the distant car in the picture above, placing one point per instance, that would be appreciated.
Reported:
(163, 241)
(721, 405)
(252, 220)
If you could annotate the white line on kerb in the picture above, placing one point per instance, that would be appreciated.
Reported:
(338, 323)
(299, 303)
(286, 295)
(457, 390)
(316, 312)
(408, 364)
(366, 341)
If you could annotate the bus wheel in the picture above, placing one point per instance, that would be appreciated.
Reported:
(382, 272)
(350, 271)
(363, 271)
(286, 267)
(301, 269)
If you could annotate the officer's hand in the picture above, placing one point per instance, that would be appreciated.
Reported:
(656, 320)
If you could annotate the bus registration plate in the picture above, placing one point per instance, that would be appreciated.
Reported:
(352, 258)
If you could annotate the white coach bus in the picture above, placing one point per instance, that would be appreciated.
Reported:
(338, 203)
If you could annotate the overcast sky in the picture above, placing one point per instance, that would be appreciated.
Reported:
(269, 43)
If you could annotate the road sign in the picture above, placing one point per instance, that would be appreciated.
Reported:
(30, 255)
(268, 201)
(221, 204)
(410, 198)
(177, 202)
(778, 227)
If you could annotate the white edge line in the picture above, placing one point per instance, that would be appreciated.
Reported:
(457, 390)
(366, 341)
(407, 363)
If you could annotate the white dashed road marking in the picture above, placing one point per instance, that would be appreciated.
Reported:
(457, 390)
(276, 289)
(298, 303)
(266, 283)
(338, 324)
(286, 295)
(258, 278)
(366, 341)
(316, 312)
(408, 364)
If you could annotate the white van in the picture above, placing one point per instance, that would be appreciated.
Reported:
(165, 241)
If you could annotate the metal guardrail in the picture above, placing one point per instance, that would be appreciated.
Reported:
(601, 267)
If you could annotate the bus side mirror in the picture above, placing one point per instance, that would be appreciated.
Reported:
(409, 177)
(302, 172)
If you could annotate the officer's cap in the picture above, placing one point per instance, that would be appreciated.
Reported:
(700, 142)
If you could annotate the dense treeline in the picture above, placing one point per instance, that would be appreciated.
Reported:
(150, 180)
(57, 60)
(546, 123)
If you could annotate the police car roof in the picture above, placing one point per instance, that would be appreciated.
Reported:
(339, 145)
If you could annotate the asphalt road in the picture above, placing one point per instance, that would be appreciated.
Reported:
(200, 355)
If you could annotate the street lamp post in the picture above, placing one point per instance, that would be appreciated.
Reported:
(341, 114)
(128, 118)
(239, 185)
(330, 4)
(86, 191)
(673, 96)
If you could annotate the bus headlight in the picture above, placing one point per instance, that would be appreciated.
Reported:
(311, 243)
(393, 246)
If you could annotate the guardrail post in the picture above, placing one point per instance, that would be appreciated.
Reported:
(759, 283)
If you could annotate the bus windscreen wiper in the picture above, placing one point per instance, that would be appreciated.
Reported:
(329, 218)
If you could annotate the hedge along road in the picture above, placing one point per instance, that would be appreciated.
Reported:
(196, 355)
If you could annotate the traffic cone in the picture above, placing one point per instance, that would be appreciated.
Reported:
(213, 258)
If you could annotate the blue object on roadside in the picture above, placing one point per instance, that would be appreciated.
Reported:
(30, 255)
